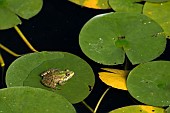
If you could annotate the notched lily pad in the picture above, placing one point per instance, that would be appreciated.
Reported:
(11, 9)
(106, 38)
(149, 83)
(139, 109)
(27, 70)
(33, 100)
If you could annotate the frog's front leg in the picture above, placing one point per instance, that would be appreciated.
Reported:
(61, 82)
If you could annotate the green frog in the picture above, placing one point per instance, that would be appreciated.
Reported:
(53, 77)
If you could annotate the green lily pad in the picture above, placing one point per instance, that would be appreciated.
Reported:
(156, 0)
(95, 4)
(160, 13)
(11, 9)
(32, 100)
(149, 83)
(138, 109)
(107, 37)
(168, 110)
(27, 70)
(126, 5)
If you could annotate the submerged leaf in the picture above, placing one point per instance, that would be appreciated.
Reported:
(138, 109)
(115, 78)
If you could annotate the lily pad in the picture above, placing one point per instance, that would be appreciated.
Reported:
(32, 100)
(168, 110)
(114, 77)
(107, 37)
(11, 9)
(95, 4)
(26, 71)
(149, 83)
(139, 109)
(156, 0)
(160, 13)
(126, 5)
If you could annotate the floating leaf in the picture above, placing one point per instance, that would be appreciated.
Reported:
(160, 13)
(11, 9)
(26, 71)
(139, 109)
(115, 78)
(149, 83)
(96, 4)
(168, 110)
(137, 35)
(32, 100)
(156, 0)
(126, 5)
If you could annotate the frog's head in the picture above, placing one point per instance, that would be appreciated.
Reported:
(67, 74)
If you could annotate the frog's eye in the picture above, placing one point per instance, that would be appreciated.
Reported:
(67, 74)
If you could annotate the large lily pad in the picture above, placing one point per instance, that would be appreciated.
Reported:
(149, 83)
(138, 109)
(33, 100)
(26, 71)
(11, 9)
(160, 13)
(107, 37)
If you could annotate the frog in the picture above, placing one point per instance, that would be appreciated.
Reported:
(53, 77)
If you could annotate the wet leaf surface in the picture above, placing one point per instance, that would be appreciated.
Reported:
(160, 13)
(149, 83)
(11, 9)
(107, 37)
(32, 100)
(126, 5)
(139, 109)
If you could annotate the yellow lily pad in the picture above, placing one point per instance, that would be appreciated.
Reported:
(139, 109)
(114, 77)
(95, 4)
